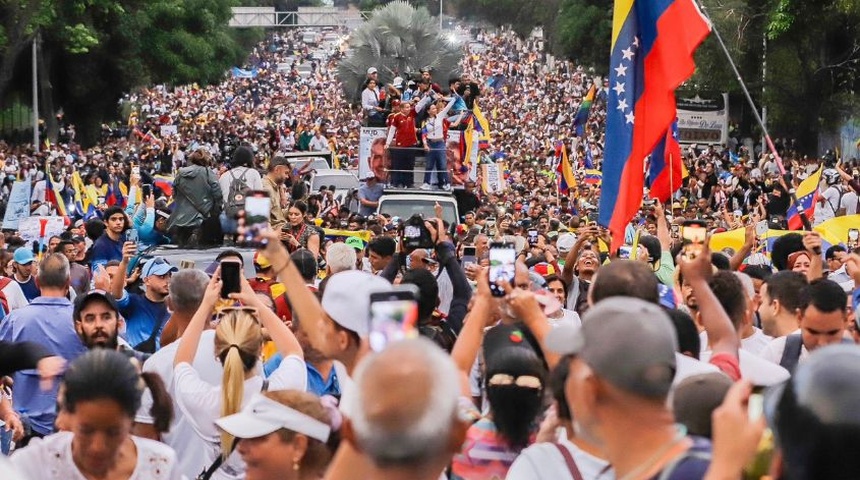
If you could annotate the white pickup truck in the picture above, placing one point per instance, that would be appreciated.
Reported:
(404, 203)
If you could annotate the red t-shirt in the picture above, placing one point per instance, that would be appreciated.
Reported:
(728, 364)
(404, 129)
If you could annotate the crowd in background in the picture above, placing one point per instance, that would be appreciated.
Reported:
(586, 363)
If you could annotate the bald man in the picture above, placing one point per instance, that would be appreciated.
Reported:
(404, 419)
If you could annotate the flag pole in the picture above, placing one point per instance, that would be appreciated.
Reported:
(785, 175)
(671, 175)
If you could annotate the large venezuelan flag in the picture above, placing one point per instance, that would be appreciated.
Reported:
(652, 54)
(807, 195)
(667, 168)
(52, 192)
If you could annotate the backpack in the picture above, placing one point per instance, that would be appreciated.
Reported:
(235, 200)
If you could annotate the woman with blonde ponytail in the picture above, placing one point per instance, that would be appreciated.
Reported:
(238, 343)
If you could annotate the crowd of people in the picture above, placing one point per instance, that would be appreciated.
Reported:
(566, 360)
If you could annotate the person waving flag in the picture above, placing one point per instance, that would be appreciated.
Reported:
(653, 42)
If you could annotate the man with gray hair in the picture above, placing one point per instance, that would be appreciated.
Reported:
(186, 293)
(340, 257)
(47, 320)
(404, 415)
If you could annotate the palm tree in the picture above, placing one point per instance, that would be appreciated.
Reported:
(398, 40)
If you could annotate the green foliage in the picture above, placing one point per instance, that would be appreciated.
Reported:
(398, 39)
(99, 49)
(583, 32)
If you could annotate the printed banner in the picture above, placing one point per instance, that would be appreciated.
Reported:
(18, 206)
(31, 228)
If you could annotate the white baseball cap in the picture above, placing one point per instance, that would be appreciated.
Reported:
(347, 299)
(262, 416)
(565, 242)
(371, 70)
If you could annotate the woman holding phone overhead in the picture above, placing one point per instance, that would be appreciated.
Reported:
(238, 342)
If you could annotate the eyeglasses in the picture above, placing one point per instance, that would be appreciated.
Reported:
(252, 311)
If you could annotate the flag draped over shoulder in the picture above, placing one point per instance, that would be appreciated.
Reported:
(807, 195)
(667, 168)
(581, 117)
(653, 42)
(52, 192)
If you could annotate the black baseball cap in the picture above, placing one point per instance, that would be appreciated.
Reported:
(83, 300)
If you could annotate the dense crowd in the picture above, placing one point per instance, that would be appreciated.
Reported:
(514, 344)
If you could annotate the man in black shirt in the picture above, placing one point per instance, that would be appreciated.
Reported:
(467, 200)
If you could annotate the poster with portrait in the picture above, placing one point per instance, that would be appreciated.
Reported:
(493, 178)
(372, 153)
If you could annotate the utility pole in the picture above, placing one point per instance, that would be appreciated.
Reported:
(36, 92)
(763, 86)
(440, 16)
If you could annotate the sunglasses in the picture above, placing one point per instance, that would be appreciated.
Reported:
(252, 311)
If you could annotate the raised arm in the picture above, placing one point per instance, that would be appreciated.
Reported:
(191, 337)
(284, 339)
(721, 332)
(117, 284)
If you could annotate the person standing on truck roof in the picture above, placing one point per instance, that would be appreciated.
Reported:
(369, 195)
(402, 142)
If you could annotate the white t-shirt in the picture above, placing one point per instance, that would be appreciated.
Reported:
(773, 351)
(50, 458)
(827, 210)
(688, 366)
(543, 461)
(190, 448)
(252, 179)
(15, 296)
(568, 317)
(200, 403)
(756, 342)
(849, 202)
(756, 369)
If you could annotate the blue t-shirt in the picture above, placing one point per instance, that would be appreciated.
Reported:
(372, 194)
(141, 316)
(30, 289)
(105, 250)
(316, 384)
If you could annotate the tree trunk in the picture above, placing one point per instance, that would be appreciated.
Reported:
(16, 23)
(46, 94)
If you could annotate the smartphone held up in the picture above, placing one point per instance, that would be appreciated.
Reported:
(257, 209)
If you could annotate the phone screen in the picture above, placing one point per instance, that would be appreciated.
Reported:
(131, 235)
(503, 259)
(470, 255)
(230, 272)
(694, 235)
(147, 190)
(853, 234)
(393, 316)
(257, 208)
(533, 237)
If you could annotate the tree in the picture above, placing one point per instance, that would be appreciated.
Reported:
(398, 40)
(583, 30)
(96, 50)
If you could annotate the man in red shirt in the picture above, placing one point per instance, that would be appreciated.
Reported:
(402, 142)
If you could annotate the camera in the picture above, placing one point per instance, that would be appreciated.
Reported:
(415, 233)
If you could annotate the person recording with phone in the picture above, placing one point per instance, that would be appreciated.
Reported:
(431, 235)
(148, 220)
(145, 314)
